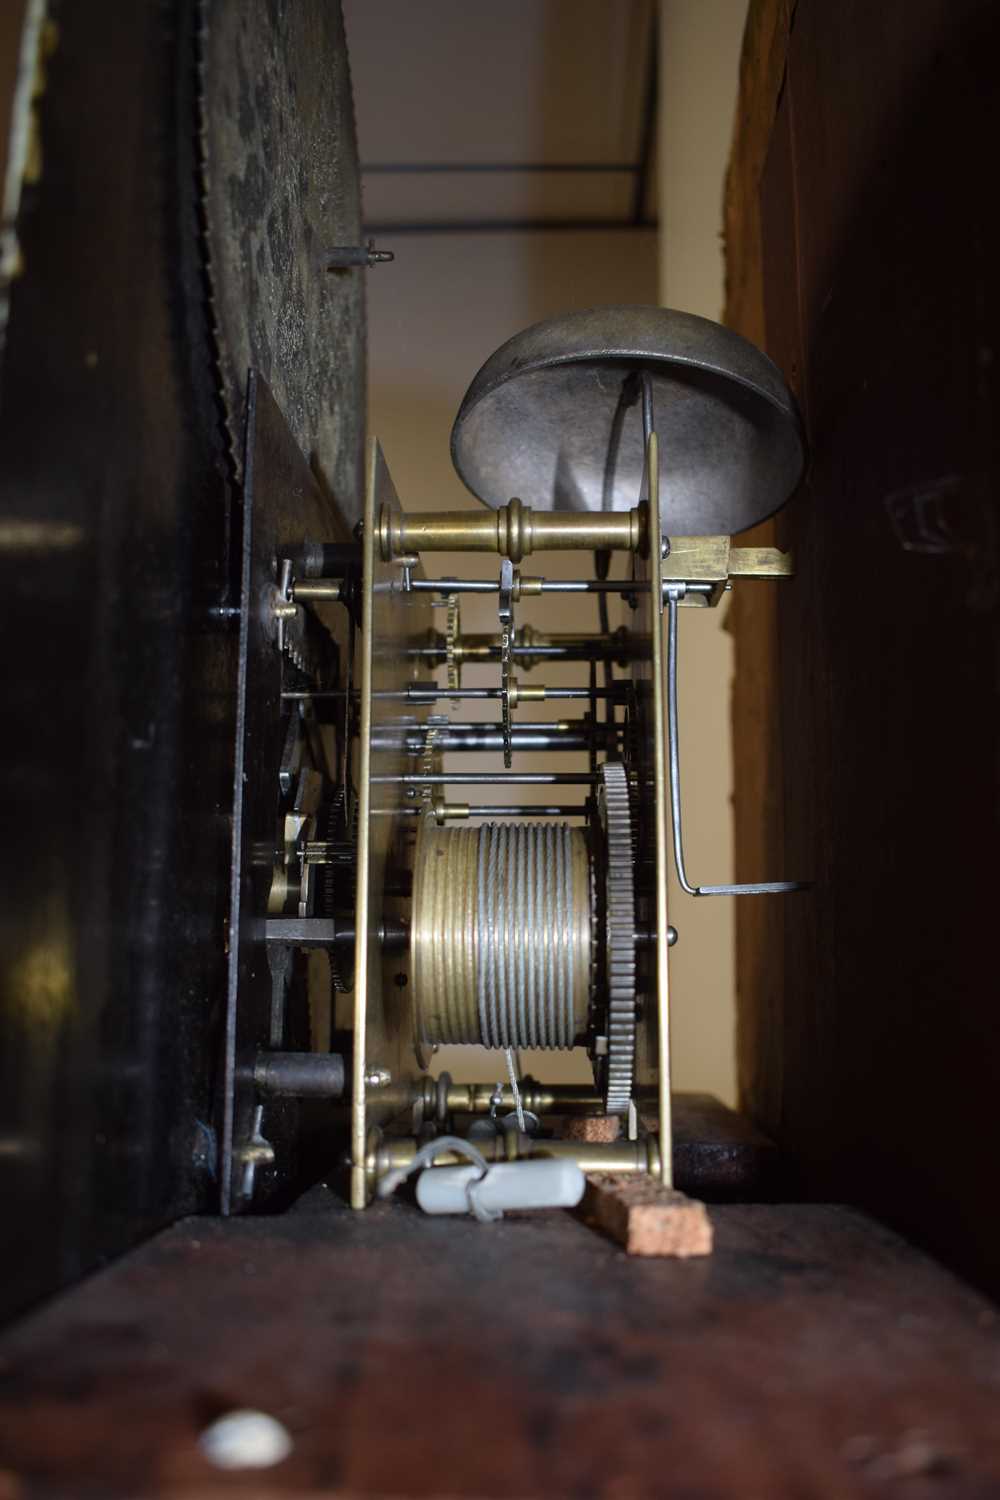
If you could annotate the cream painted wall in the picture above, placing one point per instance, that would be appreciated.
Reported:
(445, 304)
(434, 316)
(699, 64)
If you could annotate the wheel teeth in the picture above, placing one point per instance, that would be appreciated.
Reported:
(452, 636)
(620, 927)
(429, 759)
(506, 672)
(342, 830)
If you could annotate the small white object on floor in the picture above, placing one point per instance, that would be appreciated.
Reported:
(246, 1439)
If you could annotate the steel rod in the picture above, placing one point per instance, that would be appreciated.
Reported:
(534, 726)
(526, 810)
(648, 424)
(533, 743)
(537, 738)
(453, 586)
(583, 729)
(489, 651)
(547, 586)
(593, 1156)
(586, 586)
(459, 812)
(482, 1098)
(758, 888)
(429, 693)
(488, 778)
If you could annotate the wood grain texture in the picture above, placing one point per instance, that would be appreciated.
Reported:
(868, 1047)
(762, 76)
(813, 1354)
(758, 767)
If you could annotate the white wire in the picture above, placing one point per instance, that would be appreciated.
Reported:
(515, 1089)
(423, 1158)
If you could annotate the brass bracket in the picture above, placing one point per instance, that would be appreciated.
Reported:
(714, 560)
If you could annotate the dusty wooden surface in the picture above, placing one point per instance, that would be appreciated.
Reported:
(718, 1153)
(813, 1354)
(721, 1157)
(865, 707)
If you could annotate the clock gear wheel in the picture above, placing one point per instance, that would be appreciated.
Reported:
(615, 809)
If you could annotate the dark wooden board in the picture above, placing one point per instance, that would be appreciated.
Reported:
(721, 1157)
(815, 1354)
(868, 1042)
(116, 717)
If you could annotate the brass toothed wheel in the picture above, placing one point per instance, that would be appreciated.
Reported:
(452, 641)
(339, 880)
(616, 814)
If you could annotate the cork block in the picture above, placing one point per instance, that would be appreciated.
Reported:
(647, 1218)
(602, 1128)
